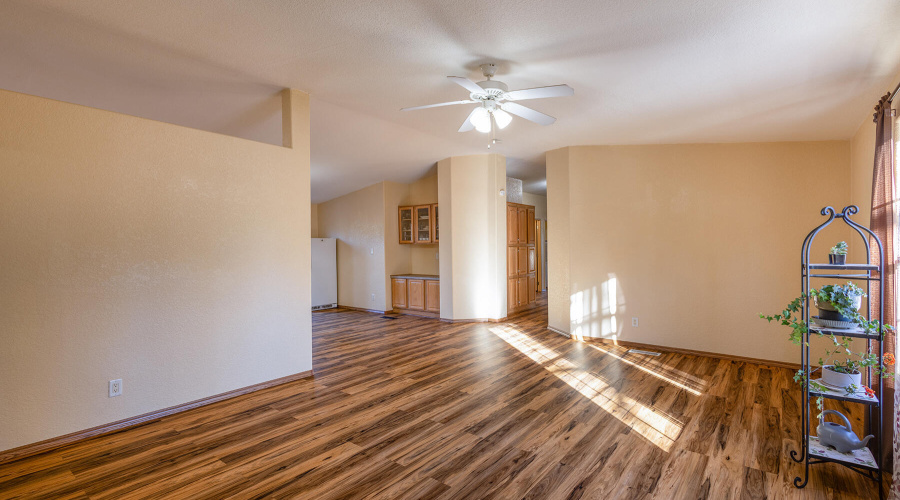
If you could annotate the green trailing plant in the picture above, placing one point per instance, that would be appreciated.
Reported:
(839, 249)
(840, 354)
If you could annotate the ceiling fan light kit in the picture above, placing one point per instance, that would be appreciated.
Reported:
(495, 102)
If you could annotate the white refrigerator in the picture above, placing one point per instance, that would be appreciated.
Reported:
(324, 273)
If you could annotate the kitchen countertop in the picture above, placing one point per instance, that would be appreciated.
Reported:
(417, 276)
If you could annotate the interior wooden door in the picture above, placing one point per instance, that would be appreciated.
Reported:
(415, 294)
(512, 225)
(433, 296)
(398, 292)
(539, 254)
(529, 222)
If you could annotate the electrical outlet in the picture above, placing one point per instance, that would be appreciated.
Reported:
(115, 387)
(373, 297)
(436, 256)
(371, 251)
(634, 322)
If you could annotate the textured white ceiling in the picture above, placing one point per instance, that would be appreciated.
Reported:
(643, 71)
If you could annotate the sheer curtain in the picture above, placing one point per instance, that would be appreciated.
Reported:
(883, 224)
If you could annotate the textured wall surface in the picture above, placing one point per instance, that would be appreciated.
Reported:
(694, 240)
(473, 245)
(357, 220)
(514, 190)
(172, 258)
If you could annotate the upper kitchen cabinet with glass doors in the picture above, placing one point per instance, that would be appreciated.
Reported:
(418, 224)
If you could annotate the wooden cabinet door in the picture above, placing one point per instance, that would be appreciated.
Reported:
(522, 225)
(532, 289)
(521, 291)
(398, 292)
(532, 260)
(511, 301)
(512, 225)
(434, 224)
(433, 296)
(511, 261)
(406, 224)
(521, 260)
(422, 215)
(529, 220)
(415, 294)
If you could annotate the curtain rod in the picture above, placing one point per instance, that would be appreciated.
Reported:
(894, 93)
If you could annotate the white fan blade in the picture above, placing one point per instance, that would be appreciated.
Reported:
(467, 101)
(540, 92)
(527, 113)
(468, 125)
(467, 84)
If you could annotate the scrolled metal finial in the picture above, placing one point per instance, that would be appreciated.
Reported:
(850, 210)
(829, 210)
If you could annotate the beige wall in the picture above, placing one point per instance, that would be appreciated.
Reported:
(539, 202)
(396, 256)
(172, 258)
(314, 220)
(558, 240)
(473, 240)
(357, 220)
(694, 240)
(424, 259)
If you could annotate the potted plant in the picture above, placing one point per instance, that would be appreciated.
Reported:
(846, 373)
(838, 254)
(838, 302)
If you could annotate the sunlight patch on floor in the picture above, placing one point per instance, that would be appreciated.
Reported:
(658, 428)
(647, 370)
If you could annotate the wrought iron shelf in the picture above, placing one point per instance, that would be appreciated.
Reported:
(846, 267)
(811, 451)
(843, 396)
(865, 277)
(840, 332)
(861, 458)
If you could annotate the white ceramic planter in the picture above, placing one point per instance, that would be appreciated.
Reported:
(836, 379)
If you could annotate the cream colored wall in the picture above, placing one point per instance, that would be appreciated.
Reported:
(473, 240)
(697, 238)
(172, 258)
(558, 240)
(396, 256)
(314, 220)
(539, 202)
(424, 259)
(357, 221)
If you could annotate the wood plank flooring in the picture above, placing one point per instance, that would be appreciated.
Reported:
(414, 408)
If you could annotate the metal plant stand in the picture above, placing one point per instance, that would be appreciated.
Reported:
(812, 452)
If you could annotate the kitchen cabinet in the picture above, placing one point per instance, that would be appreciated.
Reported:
(418, 294)
(415, 294)
(419, 224)
(398, 292)
(433, 296)
(406, 224)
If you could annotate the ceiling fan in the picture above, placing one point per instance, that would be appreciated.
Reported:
(496, 102)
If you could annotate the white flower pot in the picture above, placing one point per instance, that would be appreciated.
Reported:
(837, 379)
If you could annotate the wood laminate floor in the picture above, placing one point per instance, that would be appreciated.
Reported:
(415, 408)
